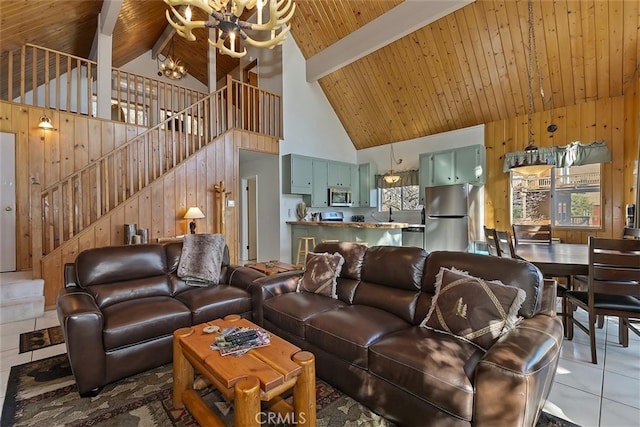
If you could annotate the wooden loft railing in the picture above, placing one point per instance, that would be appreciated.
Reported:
(73, 203)
(47, 78)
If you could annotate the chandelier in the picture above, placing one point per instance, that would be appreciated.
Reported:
(391, 177)
(231, 31)
(170, 66)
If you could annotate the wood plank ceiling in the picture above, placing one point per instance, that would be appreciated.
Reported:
(467, 68)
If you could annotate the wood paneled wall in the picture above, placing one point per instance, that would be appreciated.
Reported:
(75, 141)
(161, 205)
(44, 157)
(614, 120)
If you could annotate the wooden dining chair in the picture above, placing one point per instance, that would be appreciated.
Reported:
(532, 234)
(492, 241)
(631, 233)
(613, 288)
(505, 244)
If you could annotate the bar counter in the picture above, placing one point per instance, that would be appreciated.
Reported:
(344, 224)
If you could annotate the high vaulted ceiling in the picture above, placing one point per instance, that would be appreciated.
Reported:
(467, 68)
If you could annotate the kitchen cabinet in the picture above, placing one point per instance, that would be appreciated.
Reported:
(297, 174)
(339, 175)
(368, 194)
(464, 165)
(355, 185)
(319, 186)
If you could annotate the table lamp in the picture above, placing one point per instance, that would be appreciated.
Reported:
(193, 213)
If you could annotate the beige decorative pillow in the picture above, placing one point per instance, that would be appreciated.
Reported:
(320, 273)
(473, 309)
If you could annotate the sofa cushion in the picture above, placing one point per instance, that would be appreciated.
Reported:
(138, 320)
(394, 266)
(110, 264)
(320, 273)
(347, 333)
(215, 302)
(429, 365)
(511, 272)
(473, 309)
(291, 311)
(353, 254)
(107, 294)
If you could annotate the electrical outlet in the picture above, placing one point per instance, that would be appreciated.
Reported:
(231, 203)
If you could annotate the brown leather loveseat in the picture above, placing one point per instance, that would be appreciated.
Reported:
(368, 341)
(120, 306)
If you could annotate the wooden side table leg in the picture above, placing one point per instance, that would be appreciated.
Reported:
(182, 369)
(246, 402)
(304, 392)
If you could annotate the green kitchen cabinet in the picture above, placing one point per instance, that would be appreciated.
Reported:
(339, 175)
(297, 174)
(464, 165)
(368, 194)
(355, 186)
(319, 186)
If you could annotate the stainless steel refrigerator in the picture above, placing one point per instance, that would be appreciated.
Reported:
(446, 218)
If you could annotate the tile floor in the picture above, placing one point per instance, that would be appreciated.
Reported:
(606, 394)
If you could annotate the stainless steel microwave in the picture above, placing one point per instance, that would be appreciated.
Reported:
(339, 197)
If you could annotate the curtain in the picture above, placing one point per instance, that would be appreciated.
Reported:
(410, 177)
(573, 154)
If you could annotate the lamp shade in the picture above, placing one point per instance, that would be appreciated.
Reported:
(193, 212)
(391, 178)
(45, 123)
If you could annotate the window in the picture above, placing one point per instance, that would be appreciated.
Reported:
(406, 198)
(564, 197)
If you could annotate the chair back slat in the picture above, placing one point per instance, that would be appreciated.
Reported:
(532, 234)
(614, 267)
(631, 233)
(492, 241)
(505, 244)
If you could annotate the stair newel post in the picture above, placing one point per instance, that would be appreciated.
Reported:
(35, 200)
(229, 102)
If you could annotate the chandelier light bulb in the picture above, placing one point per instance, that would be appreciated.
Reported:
(187, 14)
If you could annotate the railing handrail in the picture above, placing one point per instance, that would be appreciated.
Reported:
(57, 52)
(127, 144)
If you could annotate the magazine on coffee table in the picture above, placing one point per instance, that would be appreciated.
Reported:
(239, 340)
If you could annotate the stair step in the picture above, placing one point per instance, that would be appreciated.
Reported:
(17, 285)
(21, 296)
(21, 309)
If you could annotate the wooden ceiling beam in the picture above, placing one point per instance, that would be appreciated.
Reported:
(162, 41)
(403, 19)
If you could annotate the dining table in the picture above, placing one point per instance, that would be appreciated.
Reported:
(557, 259)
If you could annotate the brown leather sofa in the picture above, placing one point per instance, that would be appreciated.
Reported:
(121, 304)
(368, 342)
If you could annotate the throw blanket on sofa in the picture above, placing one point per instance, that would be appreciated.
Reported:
(201, 259)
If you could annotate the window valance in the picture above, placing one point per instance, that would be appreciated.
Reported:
(573, 154)
(409, 177)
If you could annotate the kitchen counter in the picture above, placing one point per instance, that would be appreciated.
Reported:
(369, 225)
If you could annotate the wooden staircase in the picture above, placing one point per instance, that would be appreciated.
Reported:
(151, 178)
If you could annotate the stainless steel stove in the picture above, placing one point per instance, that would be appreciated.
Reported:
(336, 216)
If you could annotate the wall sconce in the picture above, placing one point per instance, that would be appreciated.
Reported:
(45, 123)
(193, 213)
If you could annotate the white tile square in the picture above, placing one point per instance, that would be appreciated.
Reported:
(53, 350)
(9, 342)
(615, 414)
(46, 322)
(13, 328)
(11, 358)
(624, 361)
(581, 376)
(574, 405)
(621, 389)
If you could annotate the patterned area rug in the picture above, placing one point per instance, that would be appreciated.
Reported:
(41, 338)
(43, 393)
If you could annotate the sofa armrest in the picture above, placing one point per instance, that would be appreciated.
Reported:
(241, 277)
(548, 298)
(269, 286)
(82, 324)
(519, 368)
(70, 275)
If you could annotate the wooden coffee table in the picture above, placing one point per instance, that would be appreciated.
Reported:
(272, 267)
(262, 374)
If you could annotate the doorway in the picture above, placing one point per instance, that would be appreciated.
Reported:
(8, 202)
(249, 206)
